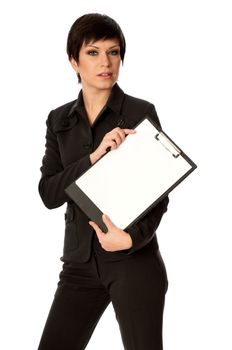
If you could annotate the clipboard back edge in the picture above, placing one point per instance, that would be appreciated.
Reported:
(86, 205)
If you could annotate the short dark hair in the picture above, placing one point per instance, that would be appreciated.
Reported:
(93, 27)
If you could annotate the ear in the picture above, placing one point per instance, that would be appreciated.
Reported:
(74, 64)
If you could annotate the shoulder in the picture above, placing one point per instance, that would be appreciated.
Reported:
(137, 108)
(65, 108)
(136, 101)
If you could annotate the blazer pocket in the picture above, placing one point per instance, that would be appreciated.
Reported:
(70, 237)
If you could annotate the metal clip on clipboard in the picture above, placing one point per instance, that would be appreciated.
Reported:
(168, 144)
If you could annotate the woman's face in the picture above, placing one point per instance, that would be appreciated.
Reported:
(95, 59)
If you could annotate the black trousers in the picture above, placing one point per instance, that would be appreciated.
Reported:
(136, 286)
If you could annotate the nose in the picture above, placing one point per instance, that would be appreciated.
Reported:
(105, 61)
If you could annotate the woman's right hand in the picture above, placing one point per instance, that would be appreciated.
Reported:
(111, 140)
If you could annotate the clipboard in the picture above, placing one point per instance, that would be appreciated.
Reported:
(128, 181)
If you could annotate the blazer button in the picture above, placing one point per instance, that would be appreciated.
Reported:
(87, 146)
(121, 122)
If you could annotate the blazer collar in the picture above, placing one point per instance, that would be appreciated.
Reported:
(114, 101)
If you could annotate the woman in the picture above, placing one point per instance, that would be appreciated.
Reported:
(122, 267)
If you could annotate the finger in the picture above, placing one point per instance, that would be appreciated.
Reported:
(112, 144)
(95, 226)
(107, 221)
(97, 229)
(121, 134)
(129, 131)
(117, 138)
(100, 236)
(117, 135)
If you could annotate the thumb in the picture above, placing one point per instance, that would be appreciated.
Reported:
(100, 235)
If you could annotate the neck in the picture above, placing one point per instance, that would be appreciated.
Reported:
(95, 98)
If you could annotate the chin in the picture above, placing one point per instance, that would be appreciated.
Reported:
(100, 85)
(105, 85)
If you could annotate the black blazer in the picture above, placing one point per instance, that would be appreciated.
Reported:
(69, 141)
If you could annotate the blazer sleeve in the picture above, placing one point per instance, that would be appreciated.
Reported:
(55, 178)
(144, 230)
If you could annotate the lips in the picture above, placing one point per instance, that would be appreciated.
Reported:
(105, 74)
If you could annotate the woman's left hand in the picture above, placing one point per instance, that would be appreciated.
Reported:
(115, 239)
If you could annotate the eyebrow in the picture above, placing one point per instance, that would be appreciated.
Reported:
(109, 47)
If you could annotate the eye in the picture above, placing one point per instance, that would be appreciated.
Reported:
(114, 52)
(92, 52)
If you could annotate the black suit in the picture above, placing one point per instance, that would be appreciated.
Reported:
(134, 279)
(69, 141)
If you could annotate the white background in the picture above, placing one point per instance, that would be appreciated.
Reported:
(179, 58)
